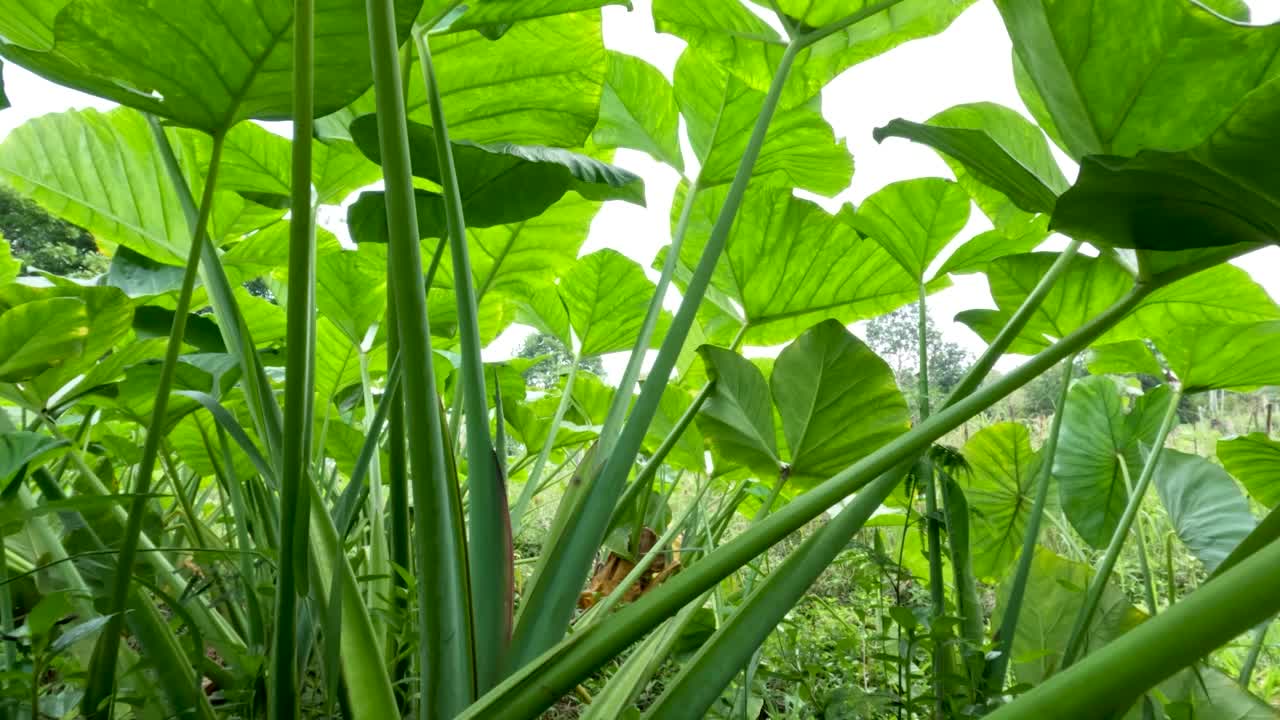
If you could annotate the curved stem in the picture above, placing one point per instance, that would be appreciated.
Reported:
(1099, 581)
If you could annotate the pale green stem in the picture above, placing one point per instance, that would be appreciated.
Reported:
(1099, 581)
(380, 587)
(1143, 566)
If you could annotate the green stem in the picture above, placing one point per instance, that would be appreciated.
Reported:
(550, 603)
(535, 474)
(998, 667)
(821, 33)
(1098, 583)
(933, 529)
(380, 587)
(1112, 678)
(1143, 566)
(292, 574)
(1171, 588)
(98, 689)
(445, 654)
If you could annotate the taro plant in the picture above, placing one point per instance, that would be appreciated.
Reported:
(307, 501)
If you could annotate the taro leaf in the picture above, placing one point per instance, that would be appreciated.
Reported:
(638, 111)
(1206, 693)
(1054, 595)
(1000, 488)
(10, 267)
(1254, 460)
(1206, 508)
(135, 395)
(41, 334)
(914, 220)
(484, 14)
(107, 310)
(789, 264)
(606, 295)
(1096, 436)
(720, 111)
(206, 64)
(539, 84)
(738, 416)
(1128, 356)
(997, 155)
(751, 49)
(256, 160)
(1223, 357)
(22, 451)
(103, 172)
(1222, 295)
(339, 365)
(266, 252)
(838, 401)
(351, 289)
(1117, 77)
(503, 183)
(140, 276)
(977, 254)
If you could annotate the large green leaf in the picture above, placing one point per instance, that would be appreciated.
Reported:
(1223, 357)
(789, 264)
(1222, 295)
(539, 84)
(800, 148)
(914, 220)
(1097, 435)
(256, 160)
(751, 49)
(41, 334)
(103, 172)
(638, 111)
(521, 258)
(205, 63)
(1000, 158)
(689, 452)
(1054, 595)
(977, 254)
(1215, 194)
(1254, 460)
(1000, 488)
(837, 399)
(738, 416)
(606, 295)
(1207, 509)
(1117, 77)
(351, 288)
(502, 183)
(484, 14)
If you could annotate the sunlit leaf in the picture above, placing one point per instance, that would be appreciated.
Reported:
(1000, 488)
(1254, 460)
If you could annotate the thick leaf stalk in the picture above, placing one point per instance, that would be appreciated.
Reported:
(445, 653)
(96, 703)
(549, 605)
(1098, 583)
(489, 550)
(291, 579)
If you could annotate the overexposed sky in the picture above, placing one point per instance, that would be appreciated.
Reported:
(970, 62)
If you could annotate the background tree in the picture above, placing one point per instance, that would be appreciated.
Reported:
(46, 243)
(547, 373)
(895, 337)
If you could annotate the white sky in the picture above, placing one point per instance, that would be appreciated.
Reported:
(970, 62)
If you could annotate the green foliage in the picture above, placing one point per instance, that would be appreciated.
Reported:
(249, 469)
